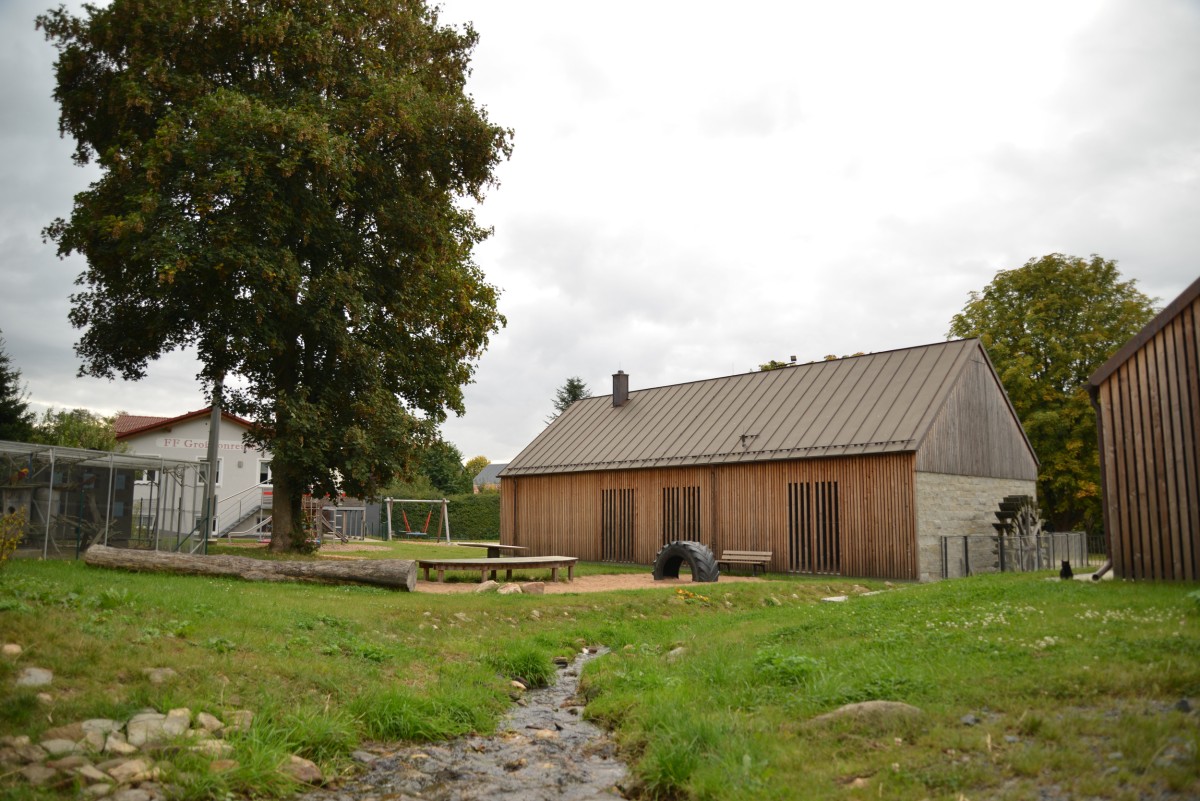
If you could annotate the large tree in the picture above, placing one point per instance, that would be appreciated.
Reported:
(16, 420)
(288, 188)
(1047, 326)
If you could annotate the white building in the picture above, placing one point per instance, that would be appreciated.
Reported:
(243, 483)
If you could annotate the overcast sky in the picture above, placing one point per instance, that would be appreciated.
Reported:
(697, 188)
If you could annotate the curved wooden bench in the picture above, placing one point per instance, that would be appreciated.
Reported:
(509, 563)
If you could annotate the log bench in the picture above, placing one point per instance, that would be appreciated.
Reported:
(509, 563)
(755, 559)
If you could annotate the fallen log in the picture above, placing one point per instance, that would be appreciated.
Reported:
(396, 574)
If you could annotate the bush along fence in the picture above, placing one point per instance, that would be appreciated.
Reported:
(971, 555)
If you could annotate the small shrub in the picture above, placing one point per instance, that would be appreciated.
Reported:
(784, 667)
(12, 531)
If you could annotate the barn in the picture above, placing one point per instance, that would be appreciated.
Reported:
(1147, 400)
(854, 467)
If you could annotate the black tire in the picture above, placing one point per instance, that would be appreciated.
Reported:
(698, 556)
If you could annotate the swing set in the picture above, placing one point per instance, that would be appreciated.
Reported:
(443, 524)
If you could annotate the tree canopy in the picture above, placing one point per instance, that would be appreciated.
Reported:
(16, 420)
(289, 189)
(1047, 326)
(475, 465)
(572, 390)
(77, 428)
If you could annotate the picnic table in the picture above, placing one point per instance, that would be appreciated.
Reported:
(494, 549)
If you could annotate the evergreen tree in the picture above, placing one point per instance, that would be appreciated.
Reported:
(16, 420)
(574, 389)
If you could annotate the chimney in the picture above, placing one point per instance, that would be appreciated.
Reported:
(620, 388)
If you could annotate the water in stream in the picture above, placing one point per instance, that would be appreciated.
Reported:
(542, 751)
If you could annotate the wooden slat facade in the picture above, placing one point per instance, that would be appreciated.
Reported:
(1148, 411)
(860, 522)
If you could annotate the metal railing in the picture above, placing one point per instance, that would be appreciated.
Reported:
(972, 555)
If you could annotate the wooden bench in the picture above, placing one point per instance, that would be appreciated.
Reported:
(755, 559)
(509, 563)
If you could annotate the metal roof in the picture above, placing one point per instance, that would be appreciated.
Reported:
(877, 403)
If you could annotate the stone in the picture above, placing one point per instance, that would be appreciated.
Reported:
(67, 762)
(93, 740)
(871, 712)
(128, 769)
(213, 748)
(31, 753)
(675, 654)
(509, 589)
(970, 720)
(1183, 705)
(487, 586)
(534, 588)
(147, 727)
(222, 765)
(159, 675)
(209, 722)
(97, 790)
(462, 617)
(177, 722)
(363, 757)
(116, 743)
(10, 650)
(8, 756)
(302, 770)
(38, 775)
(72, 732)
(92, 773)
(57, 748)
(517, 685)
(45, 698)
(239, 720)
(11, 741)
(34, 677)
(836, 599)
(132, 794)
(545, 734)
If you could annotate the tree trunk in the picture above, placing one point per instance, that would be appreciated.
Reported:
(399, 574)
(287, 519)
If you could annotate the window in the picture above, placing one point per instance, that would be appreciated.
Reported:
(202, 474)
(617, 525)
(680, 514)
(814, 530)
(264, 471)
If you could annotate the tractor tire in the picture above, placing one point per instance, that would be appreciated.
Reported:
(698, 556)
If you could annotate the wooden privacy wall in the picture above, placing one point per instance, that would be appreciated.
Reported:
(859, 519)
(1150, 434)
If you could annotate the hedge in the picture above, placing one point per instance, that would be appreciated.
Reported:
(475, 517)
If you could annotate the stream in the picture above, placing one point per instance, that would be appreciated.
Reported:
(542, 751)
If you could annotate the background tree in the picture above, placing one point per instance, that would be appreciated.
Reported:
(1047, 326)
(574, 389)
(16, 420)
(288, 188)
(475, 465)
(442, 464)
(78, 428)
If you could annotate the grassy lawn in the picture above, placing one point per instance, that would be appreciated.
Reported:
(1030, 687)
